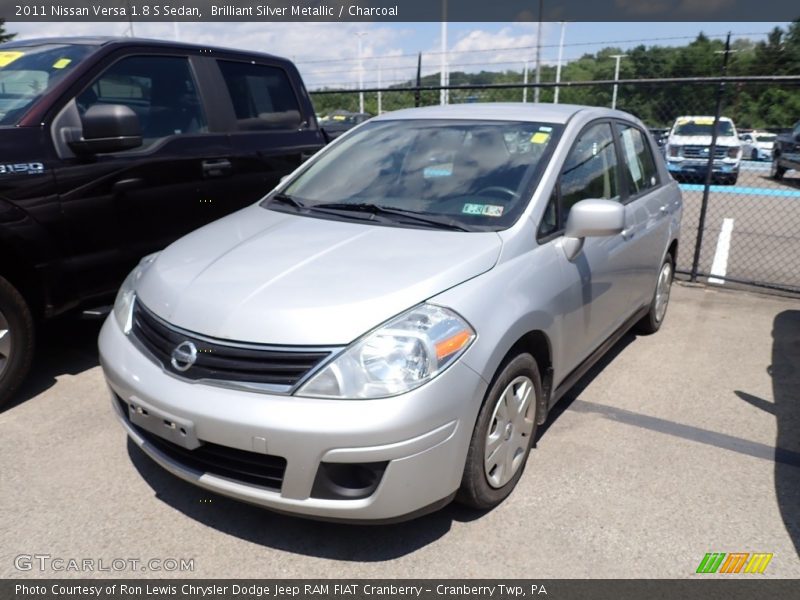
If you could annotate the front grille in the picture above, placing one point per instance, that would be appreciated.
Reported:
(263, 470)
(222, 360)
(702, 151)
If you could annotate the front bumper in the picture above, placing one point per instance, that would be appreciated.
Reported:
(422, 435)
(700, 166)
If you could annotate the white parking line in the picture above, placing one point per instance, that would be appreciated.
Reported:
(720, 265)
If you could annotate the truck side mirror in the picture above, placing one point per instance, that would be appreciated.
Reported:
(108, 128)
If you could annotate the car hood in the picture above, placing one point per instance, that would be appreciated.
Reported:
(703, 140)
(275, 278)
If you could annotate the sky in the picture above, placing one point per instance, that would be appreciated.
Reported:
(327, 53)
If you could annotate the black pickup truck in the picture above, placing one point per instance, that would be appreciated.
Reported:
(786, 153)
(110, 149)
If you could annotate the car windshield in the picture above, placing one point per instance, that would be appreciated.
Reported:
(702, 126)
(27, 72)
(473, 175)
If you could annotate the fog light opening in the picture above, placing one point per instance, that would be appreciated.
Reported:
(347, 481)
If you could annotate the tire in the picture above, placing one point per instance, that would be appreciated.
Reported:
(488, 481)
(754, 154)
(654, 318)
(776, 171)
(732, 179)
(16, 340)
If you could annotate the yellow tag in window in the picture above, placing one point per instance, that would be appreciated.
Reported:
(540, 138)
(6, 58)
(61, 63)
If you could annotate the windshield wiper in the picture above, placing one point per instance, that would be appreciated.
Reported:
(384, 211)
(287, 199)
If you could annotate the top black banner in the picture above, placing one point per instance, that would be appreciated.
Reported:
(399, 10)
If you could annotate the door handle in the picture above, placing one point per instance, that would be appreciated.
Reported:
(664, 209)
(128, 185)
(627, 233)
(216, 167)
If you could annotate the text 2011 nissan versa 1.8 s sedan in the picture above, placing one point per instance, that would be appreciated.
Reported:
(385, 330)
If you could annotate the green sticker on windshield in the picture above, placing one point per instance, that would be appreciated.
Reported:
(483, 210)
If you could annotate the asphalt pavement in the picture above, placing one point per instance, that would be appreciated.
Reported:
(675, 445)
(752, 229)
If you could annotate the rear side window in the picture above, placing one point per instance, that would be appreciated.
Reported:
(640, 169)
(262, 96)
(159, 89)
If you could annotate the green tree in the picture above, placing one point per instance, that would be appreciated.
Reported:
(4, 36)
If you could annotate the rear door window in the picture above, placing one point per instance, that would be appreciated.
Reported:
(639, 171)
(262, 96)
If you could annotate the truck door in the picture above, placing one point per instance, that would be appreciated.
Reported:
(121, 206)
(272, 127)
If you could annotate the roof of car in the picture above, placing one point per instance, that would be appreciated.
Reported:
(126, 41)
(508, 111)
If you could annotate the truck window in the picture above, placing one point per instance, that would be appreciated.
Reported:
(262, 96)
(159, 89)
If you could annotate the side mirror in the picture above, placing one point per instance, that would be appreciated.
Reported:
(108, 128)
(592, 218)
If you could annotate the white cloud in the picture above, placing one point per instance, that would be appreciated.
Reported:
(327, 53)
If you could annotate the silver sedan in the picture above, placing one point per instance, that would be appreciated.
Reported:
(385, 330)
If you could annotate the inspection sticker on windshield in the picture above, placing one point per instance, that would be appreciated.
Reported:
(6, 58)
(61, 63)
(483, 210)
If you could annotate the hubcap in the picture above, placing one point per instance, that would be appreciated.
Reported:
(5, 343)
(662, 291)
(509, 431)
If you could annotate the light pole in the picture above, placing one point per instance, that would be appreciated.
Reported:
(380, 81)
(444, 97)
(525, 82)
(616, 77)
(560, 55)
(360, 35)
(538, 54)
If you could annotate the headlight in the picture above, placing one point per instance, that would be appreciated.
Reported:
(673, 151)
(397, 357)
(123, 305)
(733, 152)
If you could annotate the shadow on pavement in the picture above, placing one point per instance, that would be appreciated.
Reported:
(65, 346)
(337, 541)
(785, 373)
(575, 391)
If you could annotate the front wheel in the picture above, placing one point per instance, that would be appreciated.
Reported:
(652, 321)
(776, 171)
(503, 434)
(16, 340)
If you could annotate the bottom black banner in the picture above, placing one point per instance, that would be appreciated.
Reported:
(400, 589)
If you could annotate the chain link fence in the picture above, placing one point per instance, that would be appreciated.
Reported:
(741, 225)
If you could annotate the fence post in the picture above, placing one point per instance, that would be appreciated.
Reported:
(710, 166)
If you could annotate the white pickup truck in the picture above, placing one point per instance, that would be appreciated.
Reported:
(688, 146)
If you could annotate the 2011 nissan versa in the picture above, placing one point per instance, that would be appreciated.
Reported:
(386, 329)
